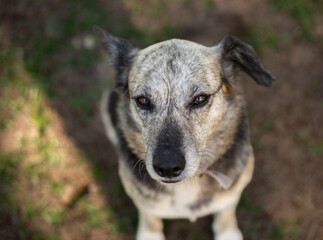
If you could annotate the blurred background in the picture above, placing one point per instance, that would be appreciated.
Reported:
(58, 172)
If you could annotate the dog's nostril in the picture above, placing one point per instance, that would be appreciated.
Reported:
(177, 171)
(159, 171)
(169, 170)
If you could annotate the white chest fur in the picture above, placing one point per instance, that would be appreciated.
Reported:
(183, 200)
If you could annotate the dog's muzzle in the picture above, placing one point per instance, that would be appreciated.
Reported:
(167, 162)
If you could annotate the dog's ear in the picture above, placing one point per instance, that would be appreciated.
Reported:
(121, 52)
(236, 54)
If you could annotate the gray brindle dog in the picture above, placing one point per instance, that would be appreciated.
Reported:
(177, 117)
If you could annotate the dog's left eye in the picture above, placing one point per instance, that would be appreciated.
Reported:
(200, 100)
(143, 102)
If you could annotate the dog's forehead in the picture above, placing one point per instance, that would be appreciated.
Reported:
(175, 63)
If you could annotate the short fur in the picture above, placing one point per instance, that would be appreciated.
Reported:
(212, 140)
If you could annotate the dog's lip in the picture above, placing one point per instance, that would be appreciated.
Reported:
(170, 181)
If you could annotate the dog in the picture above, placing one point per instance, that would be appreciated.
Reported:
(178, 119)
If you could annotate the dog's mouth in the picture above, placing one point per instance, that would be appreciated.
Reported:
(224, 181)
(170, 181)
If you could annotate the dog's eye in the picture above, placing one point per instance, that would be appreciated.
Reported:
(200, 100)
(143, 102)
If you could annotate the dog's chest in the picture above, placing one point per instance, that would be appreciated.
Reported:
(183, 200)
(188, 200)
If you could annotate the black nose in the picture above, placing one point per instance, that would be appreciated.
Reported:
(168, 163)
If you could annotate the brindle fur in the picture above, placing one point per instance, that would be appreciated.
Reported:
(213, 137)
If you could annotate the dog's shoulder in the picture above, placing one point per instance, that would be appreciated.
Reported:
(232, 162)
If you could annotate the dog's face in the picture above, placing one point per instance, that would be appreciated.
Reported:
(176, 93)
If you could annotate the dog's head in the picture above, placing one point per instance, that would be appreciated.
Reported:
(178, 94)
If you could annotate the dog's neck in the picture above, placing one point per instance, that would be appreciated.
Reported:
(232, 161)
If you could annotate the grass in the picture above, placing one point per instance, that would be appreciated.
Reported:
(266, 124)
(262, 37)
(84, 104)
(284, 231)
(46, 157)
(9, 204)
(57, 187)
(303, 11)
(30, 78)
(11, 86)
(15, 89)
(52, 52)
(54, 215)
(279, 231)
(22, 97)
(9, 63)
(8, 166)
(194, 236)
(314, 147)
(30, 210)
(39, 113)
(96, 216)
(121, 223)
(254, 209)
(8, 171)
(5, 123)
(158, 9)
(209, 4)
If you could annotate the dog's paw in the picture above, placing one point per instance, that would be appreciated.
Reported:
(150, 236)
(230, 235)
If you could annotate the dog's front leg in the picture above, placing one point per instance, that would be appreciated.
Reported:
(225, 225)
(150, 227)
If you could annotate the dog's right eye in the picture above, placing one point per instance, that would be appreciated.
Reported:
(143, 102)
(200, 101)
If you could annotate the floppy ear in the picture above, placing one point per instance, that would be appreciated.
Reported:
(121, 52)
(236, 54)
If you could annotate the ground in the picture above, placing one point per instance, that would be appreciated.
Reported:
(58, 172)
